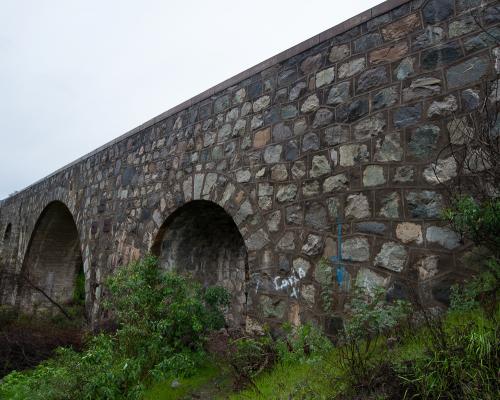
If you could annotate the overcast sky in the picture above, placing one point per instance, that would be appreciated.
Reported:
(76, 74)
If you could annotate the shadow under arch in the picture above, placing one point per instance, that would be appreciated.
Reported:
(7, 233)
(201, 239)
(52, 270)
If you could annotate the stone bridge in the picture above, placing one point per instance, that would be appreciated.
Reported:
(325, 150)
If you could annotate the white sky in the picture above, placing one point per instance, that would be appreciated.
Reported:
(76, 74)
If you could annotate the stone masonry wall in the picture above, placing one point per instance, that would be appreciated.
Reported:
(342, 129)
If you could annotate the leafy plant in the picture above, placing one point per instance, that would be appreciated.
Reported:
(478, 221)
(362, 343)
(163, 321)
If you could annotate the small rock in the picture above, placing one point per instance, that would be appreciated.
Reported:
(437, 10)
(272, 154)
(369, 127)
(352, 67)
(422, 87)
(424, 204)
(310, 104)
(441, 171)
(466, 72)
(423, 141)
(372, 78)
(315, 216)
(310, 142)
(320, 166)
(388, 54)
(443, 108)
(385, 98)
(427, 267)
(335, 183)
(339, 94)
(370, 280)
(406, 116)
(357, 206)
(356, 249)
(323, 117)
(392, 256)
(338, 53)
(279, 172)
(404, 174)
(443, 236)
(389, 148)
(286, 193)
(401, 27)
(405, 68)
(351, 154)
(313, 245)
(325, 77)
(409, 232)
(390, 206)
(373, 175)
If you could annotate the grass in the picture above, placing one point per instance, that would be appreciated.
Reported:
(313, 379)
(210, 381)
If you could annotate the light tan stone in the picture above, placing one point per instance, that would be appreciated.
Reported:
(402, 27)
(261, 138)
(409, 232)
(389, 53)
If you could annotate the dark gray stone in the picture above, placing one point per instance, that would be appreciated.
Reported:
(310, 142)
(289, 111)
(297, 91)
(287, 77)
(281, 132)
(336, 134)
(437, 10)
(485, 39)
(424, 204)
(294, 215)
(385, 98)
(316, 216)
(323, 117)
(406, 116)
(423, 141)
(352, 111)
(222, 103)
(470, 99)
(367, 42)
(372, 78)
(466, 72)
(291, 150)
(377, 228)
(441, 55)
(338, 94)
(432, 35)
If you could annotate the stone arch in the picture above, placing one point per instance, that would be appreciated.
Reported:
(52, 262)
(7, 233)
(200, 238)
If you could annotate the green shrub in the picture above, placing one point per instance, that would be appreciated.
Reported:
(478, 221)
(304, 343)
(163, 321)
(480, 291)
(363, 347)
(462, 363)
(461, 356)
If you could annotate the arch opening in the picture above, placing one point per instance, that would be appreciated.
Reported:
(53, 267)
(201, 239)
(7, 233)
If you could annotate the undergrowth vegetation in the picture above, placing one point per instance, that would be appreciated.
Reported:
(163, 321)
(385, 350)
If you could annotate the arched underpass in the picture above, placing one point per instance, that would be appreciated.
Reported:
(53, 262)
(201, 239)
